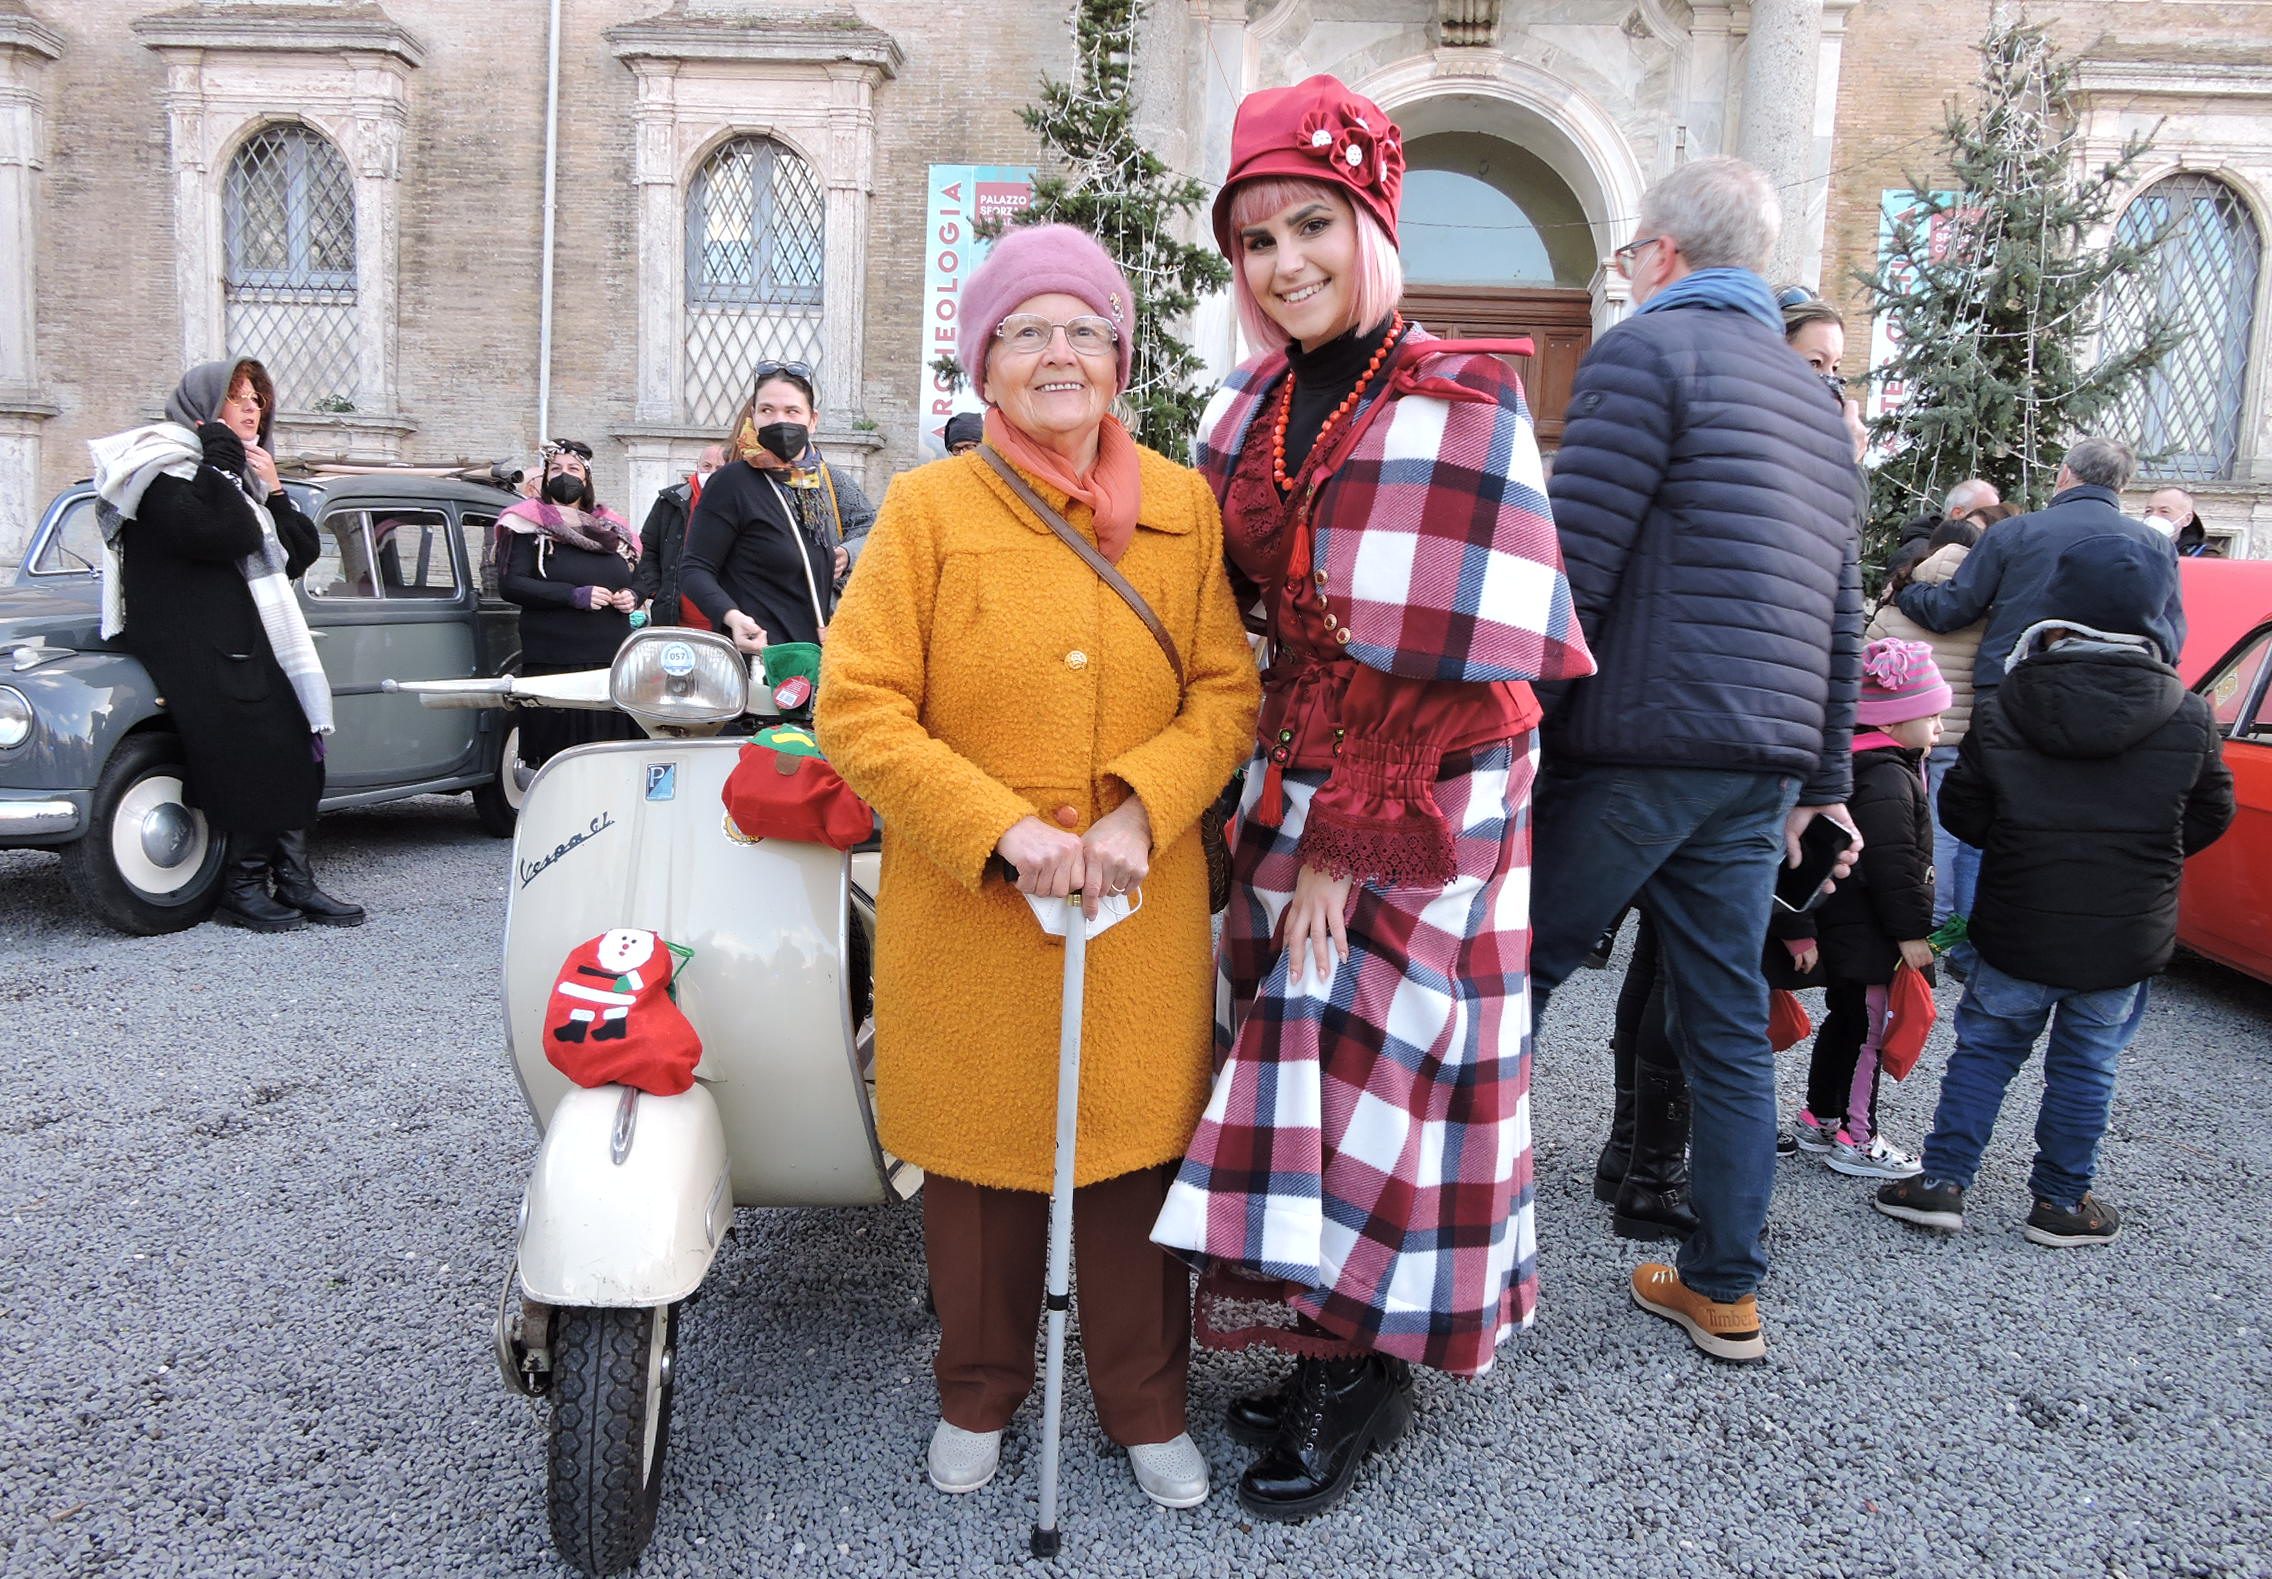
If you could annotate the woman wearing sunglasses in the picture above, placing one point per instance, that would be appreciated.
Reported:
(766, 548)
(567, 560)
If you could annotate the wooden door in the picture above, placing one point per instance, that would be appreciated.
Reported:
(1560, 323)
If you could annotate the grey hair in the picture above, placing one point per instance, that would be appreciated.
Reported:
(1722, 212)
(2102, 462)
(1971, 494)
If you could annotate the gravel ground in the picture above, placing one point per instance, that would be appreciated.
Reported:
(256, 1204)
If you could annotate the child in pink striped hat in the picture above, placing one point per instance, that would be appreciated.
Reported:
(1879, 917)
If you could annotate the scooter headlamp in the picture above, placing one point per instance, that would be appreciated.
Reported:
(676, 677)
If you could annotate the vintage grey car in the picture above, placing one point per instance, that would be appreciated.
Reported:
(91, 768)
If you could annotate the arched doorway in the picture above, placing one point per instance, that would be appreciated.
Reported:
(1496, 243)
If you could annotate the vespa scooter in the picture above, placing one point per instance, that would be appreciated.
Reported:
(632, 1193)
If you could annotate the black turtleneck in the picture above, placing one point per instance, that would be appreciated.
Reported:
(1322, 380)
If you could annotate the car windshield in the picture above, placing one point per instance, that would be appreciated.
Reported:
(74, 547)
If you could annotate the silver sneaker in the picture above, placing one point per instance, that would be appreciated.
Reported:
(1814, 1134)
(962, 1461)
(1173, 1474)
(1877, 1160)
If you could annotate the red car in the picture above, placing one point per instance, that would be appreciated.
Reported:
(2225, 907)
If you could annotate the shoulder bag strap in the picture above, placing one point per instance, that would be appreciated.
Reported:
(1089, 553)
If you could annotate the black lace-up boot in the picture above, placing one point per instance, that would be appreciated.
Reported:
(1336, 1412)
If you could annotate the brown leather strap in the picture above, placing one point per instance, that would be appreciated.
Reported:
(1089, 552)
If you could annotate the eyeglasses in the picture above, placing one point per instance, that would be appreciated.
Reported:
(1623, 257)
(1029, 334)
(801, 371)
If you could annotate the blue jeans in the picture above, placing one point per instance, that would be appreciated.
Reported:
(1698, 849)
(1956, 865)
(1996, 1026)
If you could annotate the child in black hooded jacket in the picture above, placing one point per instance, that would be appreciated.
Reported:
(1877, 919)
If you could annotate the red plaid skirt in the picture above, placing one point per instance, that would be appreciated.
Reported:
(1365, 1157)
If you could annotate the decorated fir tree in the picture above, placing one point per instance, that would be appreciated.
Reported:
(1995, 285)
(1100, 177)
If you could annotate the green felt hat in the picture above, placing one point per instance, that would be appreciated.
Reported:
(786, 661)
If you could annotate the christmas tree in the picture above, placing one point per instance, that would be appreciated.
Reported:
(1995, 292)
(1107, 183)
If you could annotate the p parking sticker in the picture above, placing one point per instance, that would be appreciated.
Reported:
(662, 781)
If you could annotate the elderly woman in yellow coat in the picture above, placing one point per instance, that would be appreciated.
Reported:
(991, 695)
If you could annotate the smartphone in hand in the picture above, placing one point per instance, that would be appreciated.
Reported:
(1799, 888)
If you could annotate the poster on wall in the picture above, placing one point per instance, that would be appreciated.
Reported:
(1898, 206)
(960, 196)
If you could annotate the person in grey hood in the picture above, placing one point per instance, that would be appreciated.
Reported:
(202, 545)
(2087, 778)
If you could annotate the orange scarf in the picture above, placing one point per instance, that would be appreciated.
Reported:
(1112, 488)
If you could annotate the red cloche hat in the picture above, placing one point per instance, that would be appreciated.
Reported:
(1321, 131)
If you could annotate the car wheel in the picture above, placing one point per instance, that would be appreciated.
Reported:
(497, 803)
(148, 862)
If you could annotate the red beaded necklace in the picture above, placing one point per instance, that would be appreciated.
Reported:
(1348, 404)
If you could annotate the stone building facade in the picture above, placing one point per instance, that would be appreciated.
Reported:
(356, 187)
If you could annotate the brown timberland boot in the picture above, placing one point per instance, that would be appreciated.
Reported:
(1726, 1330)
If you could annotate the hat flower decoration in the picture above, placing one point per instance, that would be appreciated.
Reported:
(1342, 137)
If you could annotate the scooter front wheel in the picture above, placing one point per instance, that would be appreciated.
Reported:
(611, 1417)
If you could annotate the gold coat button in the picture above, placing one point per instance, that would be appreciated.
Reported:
(1342, 635)
(1319, 576)
(1076, 659)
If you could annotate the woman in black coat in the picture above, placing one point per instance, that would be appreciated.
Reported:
(765, 549)
(662, 543)
(568, 561)
(209, 541)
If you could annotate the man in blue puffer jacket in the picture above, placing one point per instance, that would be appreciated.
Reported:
(1709, 509)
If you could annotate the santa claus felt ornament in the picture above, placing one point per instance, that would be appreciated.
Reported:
(611, 1019)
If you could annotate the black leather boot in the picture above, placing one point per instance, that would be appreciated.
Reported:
(1253, 1418)
(1338, 1411)
(245, 900)
(1652, 1203)
(1617, 1152)
(296, 886)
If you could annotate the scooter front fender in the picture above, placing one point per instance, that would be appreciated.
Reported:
(630, 1198)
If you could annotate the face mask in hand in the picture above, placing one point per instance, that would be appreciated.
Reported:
(785, 441)
(567, 488)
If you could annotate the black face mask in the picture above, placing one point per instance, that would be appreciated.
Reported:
(567, 488)
(785, 441)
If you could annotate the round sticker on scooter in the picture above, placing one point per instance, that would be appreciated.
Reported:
(677, 659)
(792, 693)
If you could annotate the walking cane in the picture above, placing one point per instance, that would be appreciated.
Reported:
(1045, 1533)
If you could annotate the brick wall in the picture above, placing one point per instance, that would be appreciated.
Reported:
(470, 234)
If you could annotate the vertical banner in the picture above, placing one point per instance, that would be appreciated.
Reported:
(960, 195)
(1899, 206)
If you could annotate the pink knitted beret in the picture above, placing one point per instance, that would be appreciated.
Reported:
(1038, 260)
(1900, 681)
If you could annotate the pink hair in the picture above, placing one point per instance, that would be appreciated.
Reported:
(1380, 272)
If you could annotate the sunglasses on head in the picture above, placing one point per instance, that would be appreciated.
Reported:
(802, 371)
(1795, 296)
(567, 447)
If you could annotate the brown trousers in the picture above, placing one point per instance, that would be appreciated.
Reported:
(988, 1251)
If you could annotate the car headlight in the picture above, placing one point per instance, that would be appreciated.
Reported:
(677, 676)
(15, 719)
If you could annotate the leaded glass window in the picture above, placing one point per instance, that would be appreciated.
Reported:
(288, 282)
(2187, 416)
(754, 232)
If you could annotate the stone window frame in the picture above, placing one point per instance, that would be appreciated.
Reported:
(700, 82)
(231, 73)
(2214, 117)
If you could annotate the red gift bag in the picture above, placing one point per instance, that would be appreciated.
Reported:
(1787, 1020)
(611, 1019)
(782, 788)
(1909, 1016)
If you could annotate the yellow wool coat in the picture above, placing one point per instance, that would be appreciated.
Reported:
(977, 672)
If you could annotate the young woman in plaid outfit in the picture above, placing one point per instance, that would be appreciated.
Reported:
(1362, 1176)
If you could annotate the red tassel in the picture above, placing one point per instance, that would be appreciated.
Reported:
(1270, 811)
